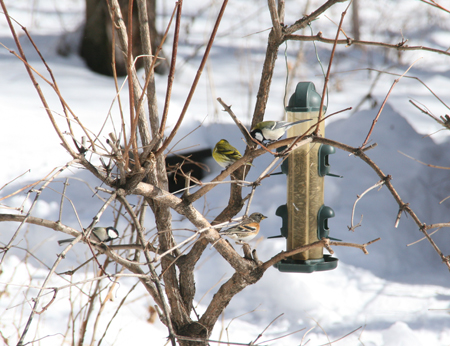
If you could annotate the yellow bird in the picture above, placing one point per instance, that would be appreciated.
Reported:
(225, 154)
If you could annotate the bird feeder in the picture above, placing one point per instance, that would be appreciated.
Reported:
(305, 217)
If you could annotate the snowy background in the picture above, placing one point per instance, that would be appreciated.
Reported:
(396, 295)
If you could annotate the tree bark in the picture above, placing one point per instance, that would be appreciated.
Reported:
(96, 43)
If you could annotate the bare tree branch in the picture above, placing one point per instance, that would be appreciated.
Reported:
(401, 46)
(195, 82)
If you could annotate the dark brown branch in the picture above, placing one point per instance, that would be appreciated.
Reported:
(224, 295)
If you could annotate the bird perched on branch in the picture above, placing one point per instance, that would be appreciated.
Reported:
(246, 230)
(100, 234)
(225, 154)
(272, 130)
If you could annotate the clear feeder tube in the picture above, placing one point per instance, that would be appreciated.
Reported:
(305, 189)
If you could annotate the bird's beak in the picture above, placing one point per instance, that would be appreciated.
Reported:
(264, 217)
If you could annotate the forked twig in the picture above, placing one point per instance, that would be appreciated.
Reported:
(324, 242)
(353, 226)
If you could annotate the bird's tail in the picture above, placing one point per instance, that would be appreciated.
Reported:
(60, 242)
(297, 122)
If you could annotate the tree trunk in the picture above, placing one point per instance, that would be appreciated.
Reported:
(96, 42)
(355, 20)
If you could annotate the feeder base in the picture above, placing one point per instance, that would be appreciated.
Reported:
(307, 266)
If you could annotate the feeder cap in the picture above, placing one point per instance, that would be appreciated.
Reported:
(305, 99)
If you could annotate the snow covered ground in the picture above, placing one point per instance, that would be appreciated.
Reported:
(396, 295)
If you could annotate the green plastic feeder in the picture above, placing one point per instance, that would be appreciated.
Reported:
(305, 218)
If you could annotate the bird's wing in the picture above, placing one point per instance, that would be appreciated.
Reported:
(239, 229)
(248, 228)
(232, 152)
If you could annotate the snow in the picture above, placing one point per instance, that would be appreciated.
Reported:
(395, 295)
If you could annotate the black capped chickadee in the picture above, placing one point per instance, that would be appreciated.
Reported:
(272, 130)
(100, 234)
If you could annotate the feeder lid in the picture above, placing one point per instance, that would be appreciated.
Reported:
(305, 99)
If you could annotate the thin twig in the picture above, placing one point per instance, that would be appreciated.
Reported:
(435, 4)
(342, 337)
(267, 327)
(149, 85)
(6, 248)
(56, 88)
(423, 163)
(195, 82)
(248, 138)
(384, 103)
(327, 77)
(242, 128)
(401, 46)
(401, 209)
(155, 277)
(25, 187)
(61, 256)
(359, 197)
(66, 183)
(35, 83)
(170, 77)
(324, 242)
(418, 241)
(362, 247)
(281, 337)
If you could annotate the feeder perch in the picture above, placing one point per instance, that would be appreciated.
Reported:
(305, 218)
